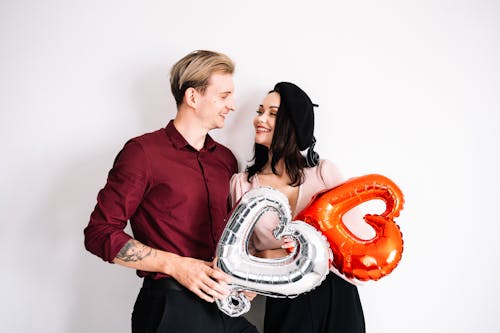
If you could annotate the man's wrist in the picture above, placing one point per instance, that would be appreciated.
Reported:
(168, 261)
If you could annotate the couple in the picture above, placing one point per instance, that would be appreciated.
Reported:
(177, 185)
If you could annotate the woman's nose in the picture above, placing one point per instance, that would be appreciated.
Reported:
(261, 118)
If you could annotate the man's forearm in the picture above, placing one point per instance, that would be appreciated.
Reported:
(196, 275)
(136, 255)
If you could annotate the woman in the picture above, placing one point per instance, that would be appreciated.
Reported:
(284, 127)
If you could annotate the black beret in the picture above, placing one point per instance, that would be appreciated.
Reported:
(296, 103)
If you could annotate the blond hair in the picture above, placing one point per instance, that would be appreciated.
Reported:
(195, 69)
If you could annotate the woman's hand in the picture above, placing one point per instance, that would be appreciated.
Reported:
(250, 295)
(289, 244)
(271, 254)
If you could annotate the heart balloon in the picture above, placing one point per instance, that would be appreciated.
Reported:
(355, 258)
(300, 271)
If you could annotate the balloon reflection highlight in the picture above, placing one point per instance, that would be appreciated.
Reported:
(354, 258)
(300, 271)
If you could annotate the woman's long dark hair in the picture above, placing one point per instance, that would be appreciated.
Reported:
(283, 146)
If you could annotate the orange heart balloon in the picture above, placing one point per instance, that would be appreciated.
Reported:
(357, 258)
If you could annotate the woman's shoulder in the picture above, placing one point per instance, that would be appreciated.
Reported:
(324, 165)
(326, 172)
(239, 178)
(239, 185)
(328, 166)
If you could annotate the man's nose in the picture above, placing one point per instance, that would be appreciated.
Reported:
(231, 105)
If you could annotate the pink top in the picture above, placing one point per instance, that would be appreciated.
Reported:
(316, 179)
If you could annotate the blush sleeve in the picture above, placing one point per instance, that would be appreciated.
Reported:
(330, 174)
(235, 189)
(262, 237)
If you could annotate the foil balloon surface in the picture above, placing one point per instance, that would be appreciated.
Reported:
(300, 271)
(357, 259)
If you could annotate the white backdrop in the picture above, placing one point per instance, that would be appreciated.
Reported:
(408, 89)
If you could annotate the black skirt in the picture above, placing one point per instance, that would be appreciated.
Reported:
(332, 307)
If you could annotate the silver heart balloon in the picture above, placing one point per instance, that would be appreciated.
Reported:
(300, 271)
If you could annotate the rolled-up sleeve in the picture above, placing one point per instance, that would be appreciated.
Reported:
(117, 201)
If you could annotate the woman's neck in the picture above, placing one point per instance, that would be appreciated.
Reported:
(280, 181)
(279, 167)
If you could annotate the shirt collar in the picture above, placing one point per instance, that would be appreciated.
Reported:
(179, 141)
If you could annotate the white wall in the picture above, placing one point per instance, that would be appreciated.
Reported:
(408, 89)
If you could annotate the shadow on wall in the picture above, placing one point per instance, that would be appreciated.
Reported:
(68, 289)
(103, 293)
(99, 296)
(153, 98)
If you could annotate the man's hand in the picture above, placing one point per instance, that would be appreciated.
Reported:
(250, 295)
(200, 277)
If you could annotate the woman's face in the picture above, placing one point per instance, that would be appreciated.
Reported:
(266, 119)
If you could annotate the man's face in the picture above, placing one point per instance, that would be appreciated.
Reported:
(218, 100)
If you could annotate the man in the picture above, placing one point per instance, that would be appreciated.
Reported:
(173, 186)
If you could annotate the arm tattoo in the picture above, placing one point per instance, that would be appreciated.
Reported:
(134, 251)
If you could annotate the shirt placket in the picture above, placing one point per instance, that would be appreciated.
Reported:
(205, 181)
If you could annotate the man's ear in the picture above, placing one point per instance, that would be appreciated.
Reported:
(191, 97)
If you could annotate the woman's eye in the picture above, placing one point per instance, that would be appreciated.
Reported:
(260, 112)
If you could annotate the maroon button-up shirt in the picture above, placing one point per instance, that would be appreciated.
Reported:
(175, 197)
